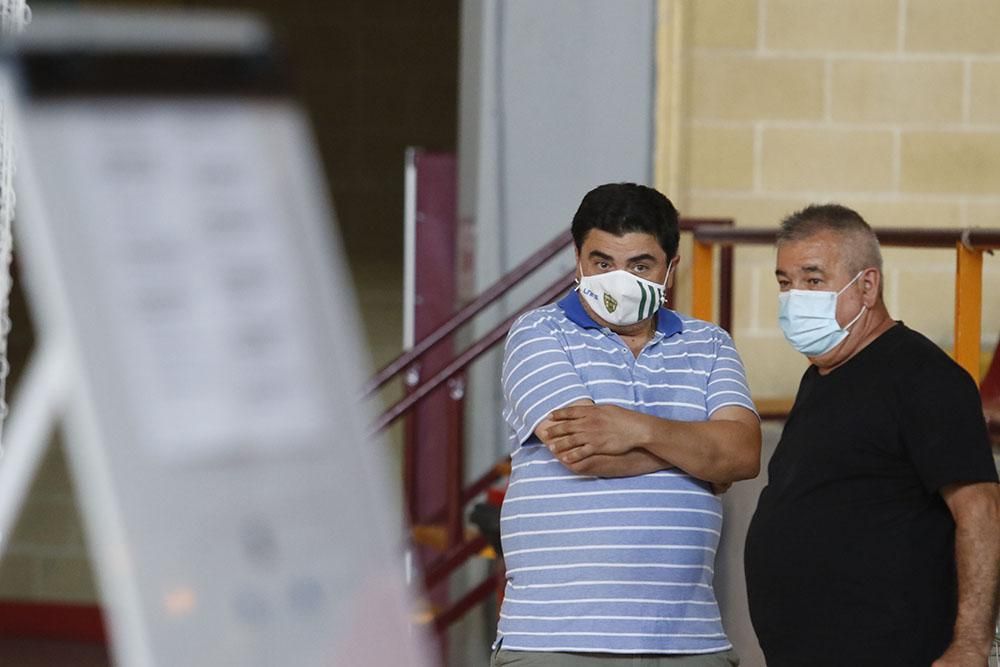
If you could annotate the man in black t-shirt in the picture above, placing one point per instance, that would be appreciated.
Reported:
(877, 539)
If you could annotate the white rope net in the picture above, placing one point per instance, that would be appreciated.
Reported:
(14, 15)
(7, 202)
(995, 650)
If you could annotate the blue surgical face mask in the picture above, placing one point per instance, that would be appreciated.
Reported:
(808, 318)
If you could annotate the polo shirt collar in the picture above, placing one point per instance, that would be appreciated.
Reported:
(667, 321)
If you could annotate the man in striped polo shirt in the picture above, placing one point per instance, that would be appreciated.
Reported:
(625, 419)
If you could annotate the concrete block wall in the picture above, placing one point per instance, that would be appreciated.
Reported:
(891, 107)
(47, 558)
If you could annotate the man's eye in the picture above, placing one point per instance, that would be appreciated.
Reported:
(603, 265)
(639, 268)
(814, 281)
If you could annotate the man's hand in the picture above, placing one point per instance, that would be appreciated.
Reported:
(583, 431)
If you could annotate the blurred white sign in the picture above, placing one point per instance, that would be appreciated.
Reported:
(186, 206)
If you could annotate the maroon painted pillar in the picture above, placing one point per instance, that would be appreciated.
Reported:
(433, 456)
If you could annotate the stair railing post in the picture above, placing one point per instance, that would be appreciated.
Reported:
(968, 307)
(702, 277)
(410, 436)
(456, 459)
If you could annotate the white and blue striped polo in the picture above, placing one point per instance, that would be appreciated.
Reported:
(611, 565)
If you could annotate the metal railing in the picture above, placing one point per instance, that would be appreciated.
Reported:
(969, 245)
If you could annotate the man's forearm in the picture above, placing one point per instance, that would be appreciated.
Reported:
(629, 464)
(720, 451)
(724, 449)
(977, 557)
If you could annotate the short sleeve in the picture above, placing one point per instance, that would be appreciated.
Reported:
(727, 382)
(942, 424)
(538, 376)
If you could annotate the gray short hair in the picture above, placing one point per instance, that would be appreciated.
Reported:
(861, 248)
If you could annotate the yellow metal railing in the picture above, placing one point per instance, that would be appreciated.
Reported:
(969, 303)
(970, 244)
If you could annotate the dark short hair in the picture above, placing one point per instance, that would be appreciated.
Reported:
(861, 249)
(620, 208)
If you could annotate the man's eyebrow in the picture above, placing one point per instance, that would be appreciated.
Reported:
(808, 268)
(645, 257)
(597, 254)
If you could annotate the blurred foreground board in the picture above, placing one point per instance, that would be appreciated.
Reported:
(176, 237)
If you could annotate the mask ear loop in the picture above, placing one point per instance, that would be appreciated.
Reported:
(857, 317)
(853, 280)
(663, 297)
(847, 327)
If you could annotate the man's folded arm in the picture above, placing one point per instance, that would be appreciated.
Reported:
(635, 461)
(722, 450)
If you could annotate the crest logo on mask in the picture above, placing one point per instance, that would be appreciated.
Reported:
(610, 303)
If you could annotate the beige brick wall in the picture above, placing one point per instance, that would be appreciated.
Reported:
(984, 93)
(734, 87)
(952, 26)
(829, 25)
(896, 92)
(891, 107)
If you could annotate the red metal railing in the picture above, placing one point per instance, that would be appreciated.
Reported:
(470, 310)
(459, 549)
(470, 354)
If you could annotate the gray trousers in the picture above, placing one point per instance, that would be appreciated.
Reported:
(502, 658)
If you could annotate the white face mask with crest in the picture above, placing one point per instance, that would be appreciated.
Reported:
(622, 298)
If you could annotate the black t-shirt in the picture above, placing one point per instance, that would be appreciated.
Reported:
(850, 554)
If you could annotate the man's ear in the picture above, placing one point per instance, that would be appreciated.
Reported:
(871, 286)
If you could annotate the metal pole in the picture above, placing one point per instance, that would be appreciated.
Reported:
(702, 276)
(968, 307)
(455, 466)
